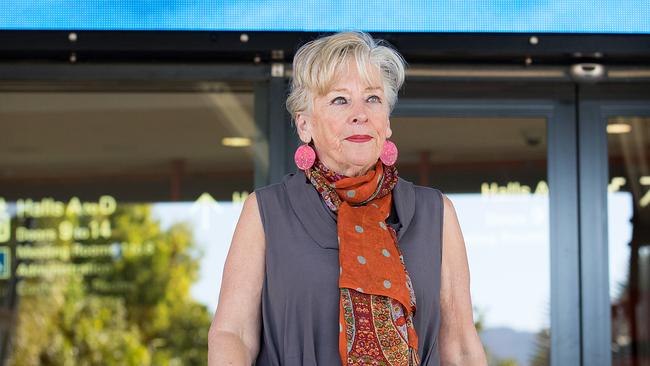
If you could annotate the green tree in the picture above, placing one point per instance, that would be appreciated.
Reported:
(542, 356)
(139, 314)
(508, 362)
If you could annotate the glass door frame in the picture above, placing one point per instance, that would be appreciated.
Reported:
(597, 103)
(556, 103)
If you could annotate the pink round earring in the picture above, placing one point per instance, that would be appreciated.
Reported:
(388, 153)
(304, 157)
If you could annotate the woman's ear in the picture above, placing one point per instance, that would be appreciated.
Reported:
(303, 127)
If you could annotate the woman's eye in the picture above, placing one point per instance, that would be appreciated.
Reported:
(339, 100)
(374, 99)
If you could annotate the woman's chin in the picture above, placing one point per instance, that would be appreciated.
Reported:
(361, 154)
(366, 161)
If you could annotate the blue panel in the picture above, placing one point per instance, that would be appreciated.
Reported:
(511, 16)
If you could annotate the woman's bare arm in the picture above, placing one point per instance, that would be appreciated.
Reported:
(459, 343)
(235, 331)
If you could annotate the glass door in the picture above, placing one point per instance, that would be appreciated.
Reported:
(508, 164)
(117, 208)
(615, 171)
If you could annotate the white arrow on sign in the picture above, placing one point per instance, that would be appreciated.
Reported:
(206, 205)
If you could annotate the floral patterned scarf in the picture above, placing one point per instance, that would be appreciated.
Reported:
(377, 301)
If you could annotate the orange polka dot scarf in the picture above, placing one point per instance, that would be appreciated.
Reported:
(377, 302)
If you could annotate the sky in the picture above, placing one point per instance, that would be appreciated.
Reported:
(513, 16)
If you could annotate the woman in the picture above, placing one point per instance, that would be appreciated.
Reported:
(343, 262)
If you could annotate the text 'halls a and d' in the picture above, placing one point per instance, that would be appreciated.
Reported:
(49, 207)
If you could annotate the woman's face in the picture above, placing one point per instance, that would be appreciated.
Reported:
(348, 124)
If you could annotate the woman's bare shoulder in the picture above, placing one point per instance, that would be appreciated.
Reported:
(238, 311)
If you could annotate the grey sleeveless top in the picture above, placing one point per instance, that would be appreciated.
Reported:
(300, 295)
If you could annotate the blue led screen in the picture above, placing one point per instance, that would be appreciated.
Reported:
(510, 16)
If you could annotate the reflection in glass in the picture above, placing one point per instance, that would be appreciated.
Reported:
(629, 239)
(116, 213)
(494, 171)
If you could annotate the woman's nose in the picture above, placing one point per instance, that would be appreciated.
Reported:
(359, 115)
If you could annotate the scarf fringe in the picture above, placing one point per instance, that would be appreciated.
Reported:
(414, 360)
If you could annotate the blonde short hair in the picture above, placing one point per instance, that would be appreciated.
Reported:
(316, 63)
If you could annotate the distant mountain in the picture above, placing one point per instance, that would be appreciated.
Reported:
(509, 343)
